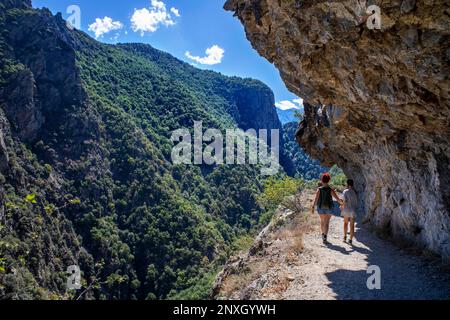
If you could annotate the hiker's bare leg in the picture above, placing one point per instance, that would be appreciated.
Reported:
(327, 223)
(352, 228)
(322, 223)
(345, 226)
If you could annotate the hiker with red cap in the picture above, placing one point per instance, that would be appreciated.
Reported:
(324, 203)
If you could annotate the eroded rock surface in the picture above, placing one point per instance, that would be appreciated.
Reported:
(391, 129)
(4, 157)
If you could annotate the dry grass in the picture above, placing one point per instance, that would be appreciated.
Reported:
(294, 204)
(236, 282)
(285, 245)
(297, 243)
(233, 283)
(292, 235)
(277, 286)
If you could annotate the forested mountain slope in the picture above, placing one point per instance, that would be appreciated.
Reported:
(85, 170)
(304, 166)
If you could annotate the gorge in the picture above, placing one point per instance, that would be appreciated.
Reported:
(86, 176)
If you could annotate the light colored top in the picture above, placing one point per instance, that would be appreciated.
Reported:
(350, 201)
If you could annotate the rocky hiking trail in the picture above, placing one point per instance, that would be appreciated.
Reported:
(282, 266)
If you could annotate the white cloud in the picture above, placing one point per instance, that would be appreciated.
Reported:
(175, 11)
(105, 25)
(158, 5)
(214, 55)
(286, 104)
(299, 101)
(149, 20)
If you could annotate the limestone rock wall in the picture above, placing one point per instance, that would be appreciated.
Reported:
(378, 100)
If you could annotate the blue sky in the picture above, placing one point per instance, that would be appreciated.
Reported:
(192, 26)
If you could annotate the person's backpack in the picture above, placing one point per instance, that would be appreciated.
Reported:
(325, 199)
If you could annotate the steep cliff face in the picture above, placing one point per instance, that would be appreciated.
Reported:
(20, 4)
(256, 109)
(378, 100)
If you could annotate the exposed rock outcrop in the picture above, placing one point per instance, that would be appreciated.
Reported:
(256, 109)
(4, 158)
(390, 130)
(48, 80)
(21, 105)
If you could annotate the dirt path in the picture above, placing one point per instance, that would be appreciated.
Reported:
(339, 271)
(275, 268)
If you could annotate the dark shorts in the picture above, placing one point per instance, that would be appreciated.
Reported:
(324, 211)
(335, 210)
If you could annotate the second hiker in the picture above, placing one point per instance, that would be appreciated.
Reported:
(349, 210)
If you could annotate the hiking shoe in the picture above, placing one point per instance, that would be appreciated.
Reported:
(324, 238)
(350, 242)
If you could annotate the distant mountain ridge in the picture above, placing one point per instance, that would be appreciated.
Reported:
(303, 165)
(85, 169)
(287, 116)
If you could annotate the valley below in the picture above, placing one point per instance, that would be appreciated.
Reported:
(86, 171)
